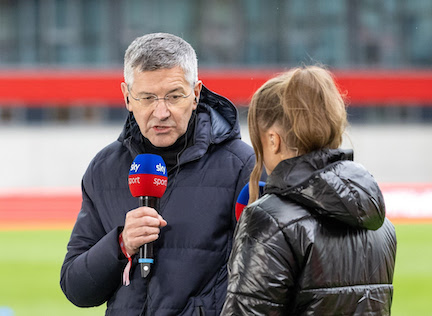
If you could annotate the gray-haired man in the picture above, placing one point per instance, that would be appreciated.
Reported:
(197, 133)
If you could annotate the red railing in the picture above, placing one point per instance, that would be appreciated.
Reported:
(45, 88)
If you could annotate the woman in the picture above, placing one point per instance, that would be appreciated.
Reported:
(317, 242)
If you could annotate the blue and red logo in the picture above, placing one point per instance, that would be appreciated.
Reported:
(148, 176)
(243, 198)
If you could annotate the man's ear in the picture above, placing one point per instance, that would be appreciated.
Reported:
(125, 92)
(197, 92)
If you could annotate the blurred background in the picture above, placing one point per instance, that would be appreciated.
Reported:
(61, 68)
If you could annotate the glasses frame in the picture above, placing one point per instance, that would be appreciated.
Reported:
(156, 99)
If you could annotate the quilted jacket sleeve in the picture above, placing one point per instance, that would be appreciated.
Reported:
(93, 265)
(261, 267)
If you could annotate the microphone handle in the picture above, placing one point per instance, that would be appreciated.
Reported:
(146, 257)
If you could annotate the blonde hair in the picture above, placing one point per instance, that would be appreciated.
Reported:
(306, 105)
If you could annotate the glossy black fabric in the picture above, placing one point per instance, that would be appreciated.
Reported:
(317, 243)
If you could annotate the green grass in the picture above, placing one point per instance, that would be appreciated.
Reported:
(30, 264)
(413, 274)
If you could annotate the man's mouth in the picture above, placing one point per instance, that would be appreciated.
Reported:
(161, 129)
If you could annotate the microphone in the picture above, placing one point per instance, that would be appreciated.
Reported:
(147, 181)
(243, 198)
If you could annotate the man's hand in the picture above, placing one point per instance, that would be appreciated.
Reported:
(142, 225)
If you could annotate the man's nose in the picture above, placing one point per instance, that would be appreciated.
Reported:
(161, 110)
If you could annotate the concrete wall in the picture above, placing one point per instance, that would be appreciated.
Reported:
(57, 156)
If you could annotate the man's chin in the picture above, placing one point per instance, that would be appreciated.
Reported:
(161, 141)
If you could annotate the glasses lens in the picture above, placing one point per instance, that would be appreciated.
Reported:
(174, 98)
(170, 99)
(148, 101)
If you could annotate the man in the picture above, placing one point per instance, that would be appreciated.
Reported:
(197, 134)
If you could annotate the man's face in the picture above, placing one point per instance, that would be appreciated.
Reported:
(161, 122)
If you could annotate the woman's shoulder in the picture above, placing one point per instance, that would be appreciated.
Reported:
(280, 208)
(274, 213)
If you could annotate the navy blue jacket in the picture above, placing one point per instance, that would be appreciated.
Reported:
(189, 276)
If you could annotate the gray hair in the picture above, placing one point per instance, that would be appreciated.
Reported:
(160, 51)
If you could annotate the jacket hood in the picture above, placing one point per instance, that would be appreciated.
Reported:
(330, 184)
(223, 116)
(217, 121)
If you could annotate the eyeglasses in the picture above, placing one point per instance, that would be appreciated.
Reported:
(171, 98)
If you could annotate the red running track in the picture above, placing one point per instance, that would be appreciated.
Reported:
(39, 209)
(58, 209)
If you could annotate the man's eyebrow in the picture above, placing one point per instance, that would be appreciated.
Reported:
(178, 89)
(144, 93)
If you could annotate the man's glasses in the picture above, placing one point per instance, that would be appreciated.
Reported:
(170, 99)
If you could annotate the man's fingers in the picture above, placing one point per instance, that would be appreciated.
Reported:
(143, 211)
(142, 225)
(162, 222)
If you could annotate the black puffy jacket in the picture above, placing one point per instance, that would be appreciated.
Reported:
(317, 243)
(189, 276)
